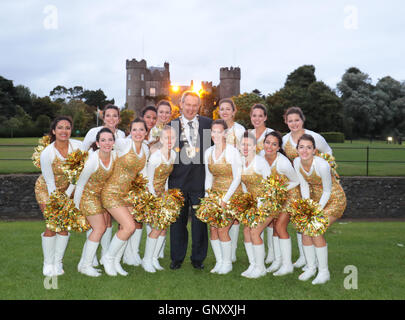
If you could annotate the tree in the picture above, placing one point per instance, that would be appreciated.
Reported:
(96, 98)
(59, 93)
(82, 118)
(44, 106)
(322, 107)
(359, 107)
(7, 94)
(127, 116)
(244, 103)
(43, 122)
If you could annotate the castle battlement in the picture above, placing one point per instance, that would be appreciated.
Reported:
(229, 73)
(134, 64)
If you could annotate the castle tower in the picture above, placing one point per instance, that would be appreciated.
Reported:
(229, 84)
(136, 85)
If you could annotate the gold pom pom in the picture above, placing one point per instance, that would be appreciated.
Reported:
(42, 144)
(74, 164)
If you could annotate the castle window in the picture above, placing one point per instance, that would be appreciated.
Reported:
(129, 76)
(129, 92)
(142, 77)
(142, 92)
(152, 92)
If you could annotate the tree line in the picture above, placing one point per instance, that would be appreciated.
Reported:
(355, 107)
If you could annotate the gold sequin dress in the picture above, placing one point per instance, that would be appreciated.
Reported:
(61, 182)
(159, 170)
(90, 202)
(126, 168)
(336, 204)
(252, 179)
(50, 155)
(222, 176)
(290, 148)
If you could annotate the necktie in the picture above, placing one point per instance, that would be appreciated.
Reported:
(190, 124)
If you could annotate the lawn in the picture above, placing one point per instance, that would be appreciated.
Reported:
(375, 249)
(342, 151)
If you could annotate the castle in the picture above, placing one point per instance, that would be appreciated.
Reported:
(146, 85)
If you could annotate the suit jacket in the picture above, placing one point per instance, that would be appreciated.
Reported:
(189, 173)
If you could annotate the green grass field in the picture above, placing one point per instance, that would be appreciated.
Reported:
(376, 249)
(392, 152)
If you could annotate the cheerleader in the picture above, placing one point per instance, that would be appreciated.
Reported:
(159, 167)
(258, 117)
(254, 169)
(318, 183)
(227, 111)
(223, 166)
(294, 118)
(111, 119)
(281, 165)
(87, 196)
(132, 157)
(149, 115)
(164, 114)
(53, 178)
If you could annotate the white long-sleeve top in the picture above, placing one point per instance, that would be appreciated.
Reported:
(261, 138)
(320, 142)
(259, 166)
(155, 160)
(48, 156)
(238, 130)
(92, 164)
(322, 169)
(232, 156)
(90, 137)
(123, 145)
(283, 166)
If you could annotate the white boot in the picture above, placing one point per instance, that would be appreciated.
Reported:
(132, 252)
(89, 251)
(216, 248)
(277, 256)
(116, 245)
(226, 266)
(162, 250)
(323, 271)
(270, 245)
(260, 269)
(309, 252)
(48, 249)
(159, 243)
(301, 259)
(286, 266)
(234, 234)
(105, 242)
(95, 261)
(117, 260)
(60, 248)
(147, 258)
(251, 258)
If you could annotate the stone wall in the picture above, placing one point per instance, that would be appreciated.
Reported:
(367, 197)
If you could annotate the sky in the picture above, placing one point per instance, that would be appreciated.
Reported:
(86, 43)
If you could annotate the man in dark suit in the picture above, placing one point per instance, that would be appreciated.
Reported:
(193, 138)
